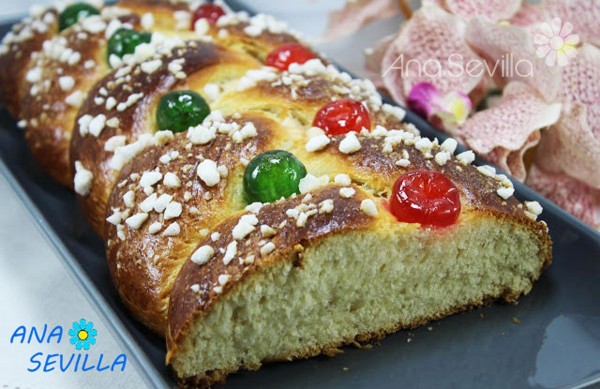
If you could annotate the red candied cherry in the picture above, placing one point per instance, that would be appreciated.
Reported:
(285, 55)
(425, 197)
(342, 116)
(208, 11)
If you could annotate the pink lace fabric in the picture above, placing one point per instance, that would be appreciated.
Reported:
(506, 131)
(492, 10)
(420, 52)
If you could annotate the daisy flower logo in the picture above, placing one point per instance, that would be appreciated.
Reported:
(556, 42)
(83, 334)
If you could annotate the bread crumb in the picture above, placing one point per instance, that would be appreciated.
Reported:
(317, 143)
(369, 207)
(162, 202)
(267, 249)
(326, 206)
(224, 279)
(466, 158)
(486, 170)
(171, 180)
(83, 179)
(173, 210)
(230, 252)
(154, 228)
(150, 178)
(350, 144)
(505, 193)
(449, 145)
(342, 179)
(244, 227)
(534, 208)
(346, 193)
(442, 158)
(209, 173)
(310, 182)
(172, 230)
(267, 231)
(136, 220)
(403, 162)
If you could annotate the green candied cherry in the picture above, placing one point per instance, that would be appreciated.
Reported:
(179, 110)
(124, 41)
(273, 175)
(73, 13)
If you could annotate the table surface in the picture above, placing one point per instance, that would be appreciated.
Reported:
(35, 288)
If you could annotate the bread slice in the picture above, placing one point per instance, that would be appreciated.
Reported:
(350, 271)
(344, 276)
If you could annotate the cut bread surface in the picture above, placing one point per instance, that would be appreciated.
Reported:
(358, 285)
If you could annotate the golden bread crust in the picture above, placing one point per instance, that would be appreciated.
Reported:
(49, 108)
(50, 104)
(201, 63)
(25, 38)
(144, 264)
(201, 60)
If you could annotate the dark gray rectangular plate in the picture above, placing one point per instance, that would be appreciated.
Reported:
(556, 344)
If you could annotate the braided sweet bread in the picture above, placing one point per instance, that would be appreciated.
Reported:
(255, 213)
